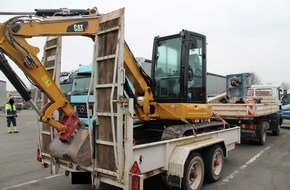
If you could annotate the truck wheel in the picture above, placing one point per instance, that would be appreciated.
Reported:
(214, 162)
(193, 172)
(277, 131)
(263, 132)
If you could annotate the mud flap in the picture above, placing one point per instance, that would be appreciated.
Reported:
(81, 178)
(78, 151)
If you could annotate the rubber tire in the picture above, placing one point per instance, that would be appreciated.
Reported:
(194, 159)
(263, 132)
(213, 173)
(281, 121)
(276, 132)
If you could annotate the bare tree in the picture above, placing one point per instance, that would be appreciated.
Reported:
(255, 78)
(285, 86)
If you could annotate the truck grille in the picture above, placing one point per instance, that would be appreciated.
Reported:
(82, 111)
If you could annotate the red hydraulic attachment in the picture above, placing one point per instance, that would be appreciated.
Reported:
(70, 126)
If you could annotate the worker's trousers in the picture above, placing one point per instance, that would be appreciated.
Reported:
(11, 119)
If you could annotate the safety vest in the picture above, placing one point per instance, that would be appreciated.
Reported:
(9, 111)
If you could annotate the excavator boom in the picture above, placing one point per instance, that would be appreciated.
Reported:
(13, 43)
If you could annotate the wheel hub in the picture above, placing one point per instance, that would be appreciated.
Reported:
(216, 163)
(193, 175)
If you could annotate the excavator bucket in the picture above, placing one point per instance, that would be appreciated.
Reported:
(77, 151)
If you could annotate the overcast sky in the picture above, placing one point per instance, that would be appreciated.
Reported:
(242, 35)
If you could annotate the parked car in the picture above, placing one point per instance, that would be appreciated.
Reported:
(286, 106)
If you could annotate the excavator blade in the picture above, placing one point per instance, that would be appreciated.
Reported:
(78, 151)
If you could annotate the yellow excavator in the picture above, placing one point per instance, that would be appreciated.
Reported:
(179, 72)
(174, 99)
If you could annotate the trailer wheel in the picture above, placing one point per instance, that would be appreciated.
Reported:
(214, 162)
(193, 172)
(263, 132)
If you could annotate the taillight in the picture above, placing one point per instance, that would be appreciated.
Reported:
(38, 155)
(135, 182)
(249, 126)
(135, 179)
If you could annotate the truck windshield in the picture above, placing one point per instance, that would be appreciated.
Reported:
(81, 86)
(260, 92)
(66, 87)
(263, 92)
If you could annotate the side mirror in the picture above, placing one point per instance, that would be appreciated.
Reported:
(190, 73)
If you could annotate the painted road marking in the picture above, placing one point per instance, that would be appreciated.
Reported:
(29, 122)
(31, 182)
(253, 159)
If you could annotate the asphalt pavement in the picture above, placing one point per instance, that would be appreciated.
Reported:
(249, 166)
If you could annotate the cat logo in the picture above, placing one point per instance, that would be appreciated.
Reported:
(78, 27)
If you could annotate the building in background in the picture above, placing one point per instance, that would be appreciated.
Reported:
(2, 94)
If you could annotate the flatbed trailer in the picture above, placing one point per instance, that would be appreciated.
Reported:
(266, 106)
(254, 116)
(119, 151)
(172, 158)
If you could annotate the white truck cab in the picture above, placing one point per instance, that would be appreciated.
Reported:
(268, 90)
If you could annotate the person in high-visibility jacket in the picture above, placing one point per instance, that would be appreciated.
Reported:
(11, 115)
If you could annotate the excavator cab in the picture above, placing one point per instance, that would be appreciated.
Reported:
(179, 68)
